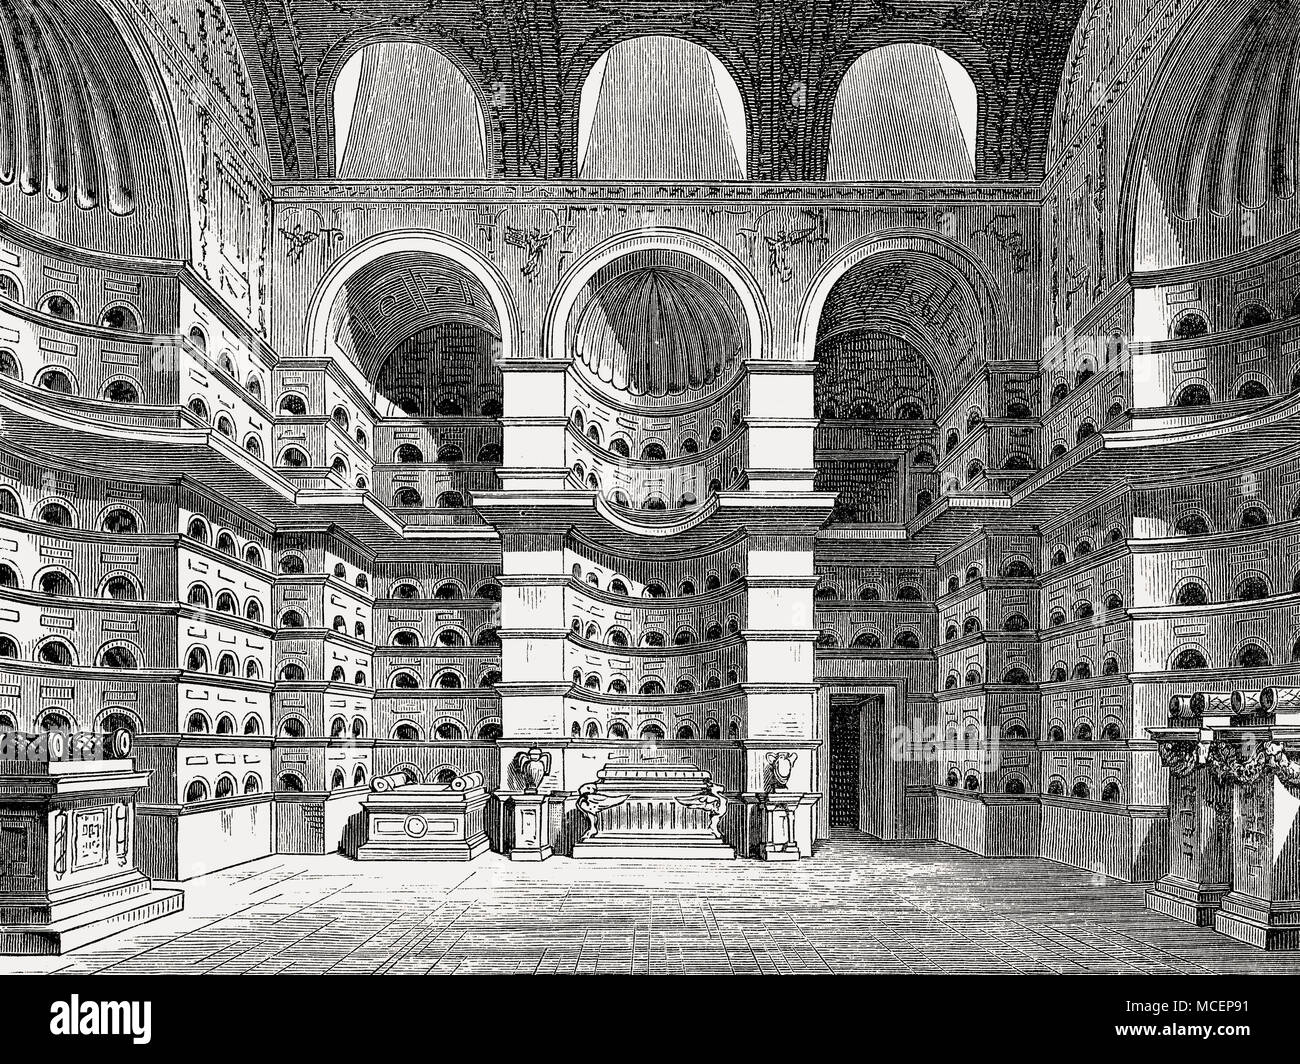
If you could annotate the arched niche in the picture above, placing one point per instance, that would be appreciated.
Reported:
(919, 287)
(366, 308)
(896, 326)
(658, 323)
(423, 331)
(738, 280)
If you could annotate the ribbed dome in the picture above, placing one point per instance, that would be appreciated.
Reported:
(1240, 141)
(659, 324)
(62, 93)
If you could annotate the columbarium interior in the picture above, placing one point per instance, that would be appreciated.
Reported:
(884, 413)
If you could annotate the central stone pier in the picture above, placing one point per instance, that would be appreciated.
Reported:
(661, 811)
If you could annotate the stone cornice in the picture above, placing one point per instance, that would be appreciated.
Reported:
(547, 193)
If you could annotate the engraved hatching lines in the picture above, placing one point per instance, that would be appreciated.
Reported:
(924, 909)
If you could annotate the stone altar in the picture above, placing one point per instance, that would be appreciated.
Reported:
(67, 855)
(652, 810)
(1234, 764)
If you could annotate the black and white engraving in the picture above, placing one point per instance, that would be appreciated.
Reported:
(754, 486)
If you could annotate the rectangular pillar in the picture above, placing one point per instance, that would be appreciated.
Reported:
(780, 692)
(533, 428)
(1263, 907)
(780, 425)
(1200, 849)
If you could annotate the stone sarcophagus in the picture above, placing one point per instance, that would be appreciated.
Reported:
(425, 822)
(652, 810)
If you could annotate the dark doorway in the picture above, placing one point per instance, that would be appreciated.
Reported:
(846, 766)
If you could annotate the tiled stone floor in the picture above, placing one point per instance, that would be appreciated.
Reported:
(857, 906)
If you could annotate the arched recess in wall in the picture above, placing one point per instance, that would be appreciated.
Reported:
(660, 109)
(657, 324)
(897, 326)
(570, 292)
(903, 112)
(404, 110)
(88, 152)
(423, 318)
(1212, 169)
(973, 293)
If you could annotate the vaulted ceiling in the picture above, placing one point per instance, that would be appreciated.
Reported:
(528, 59)
(917, 299)
(399, 295)
(83, 152)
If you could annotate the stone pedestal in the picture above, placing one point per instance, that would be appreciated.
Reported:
(1251, 756)
(780, 798)
(652, 810)
(1200, 841)
(425, 823)
(782, 818)
(1263, 907)
(528, 825)
(67, 856)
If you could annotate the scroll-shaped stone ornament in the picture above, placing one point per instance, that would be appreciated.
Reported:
(1271, 699)
(1246, 701)
(56, 745)
(1211, 703)
(1181, 757)
(118, 744)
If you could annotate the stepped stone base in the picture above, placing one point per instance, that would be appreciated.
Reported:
(669, 847)
(82, 928)
(69, 856)
(1185, 901)
(1258, 924)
